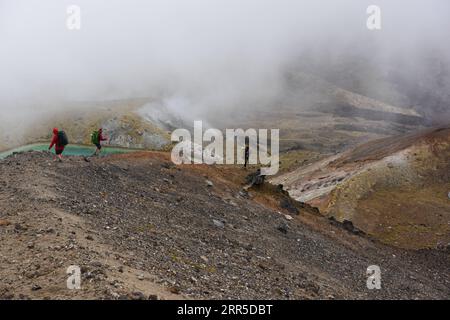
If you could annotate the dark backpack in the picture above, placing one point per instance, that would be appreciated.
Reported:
(95, 137)
(62, 139)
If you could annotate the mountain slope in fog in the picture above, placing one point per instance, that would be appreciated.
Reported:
(119, 119)
(310, 112)
(314, 114)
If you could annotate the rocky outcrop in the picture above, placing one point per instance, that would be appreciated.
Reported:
(394, 189)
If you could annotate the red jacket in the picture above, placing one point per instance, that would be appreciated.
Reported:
(55, 142)
(101, 137)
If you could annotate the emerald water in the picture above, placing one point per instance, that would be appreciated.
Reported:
(70, 150)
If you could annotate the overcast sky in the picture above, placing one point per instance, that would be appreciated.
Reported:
(211, 52)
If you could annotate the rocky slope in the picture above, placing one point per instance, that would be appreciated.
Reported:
(139, 227)
(395, 189)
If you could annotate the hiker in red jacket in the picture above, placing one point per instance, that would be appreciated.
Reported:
(98, 142)
(59, 146)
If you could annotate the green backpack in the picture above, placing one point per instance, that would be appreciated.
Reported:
(95, 137)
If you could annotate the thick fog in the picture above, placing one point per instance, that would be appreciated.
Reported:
(213, 54)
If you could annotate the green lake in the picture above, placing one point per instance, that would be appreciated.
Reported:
(70, 150)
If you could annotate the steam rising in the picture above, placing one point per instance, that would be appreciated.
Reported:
(217, 54)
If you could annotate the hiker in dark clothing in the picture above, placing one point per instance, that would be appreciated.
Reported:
(246, 151)
(59, 143)
(97, 137)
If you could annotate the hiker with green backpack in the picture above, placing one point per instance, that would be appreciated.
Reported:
(96, 139)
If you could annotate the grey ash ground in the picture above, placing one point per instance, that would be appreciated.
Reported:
(140, 227)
